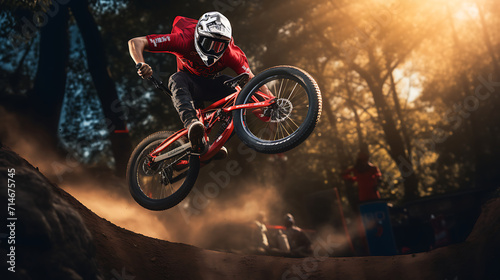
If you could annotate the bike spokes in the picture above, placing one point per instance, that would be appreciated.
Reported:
(284, 117)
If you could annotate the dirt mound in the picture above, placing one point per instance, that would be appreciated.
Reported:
(46, 237)
(121, 254)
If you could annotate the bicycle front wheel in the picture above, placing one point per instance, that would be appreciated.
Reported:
(285, 124)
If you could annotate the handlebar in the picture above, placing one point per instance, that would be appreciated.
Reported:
(156, 81)
(239, 80)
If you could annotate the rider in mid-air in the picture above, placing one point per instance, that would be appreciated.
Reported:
(203, 49)
(268, 122)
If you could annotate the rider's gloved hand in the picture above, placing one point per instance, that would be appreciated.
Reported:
(144, 70)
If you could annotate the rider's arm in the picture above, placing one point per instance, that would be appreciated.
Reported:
(136, 47)
(239, 63)
(171, 43)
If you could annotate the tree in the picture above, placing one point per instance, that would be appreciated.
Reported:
(47, 95)
(111, 104)
(49, 89)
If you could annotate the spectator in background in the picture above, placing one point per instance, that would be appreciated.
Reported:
(300, 245)
(260, 241)
(366, 175)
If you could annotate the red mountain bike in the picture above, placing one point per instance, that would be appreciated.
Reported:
(163, 169)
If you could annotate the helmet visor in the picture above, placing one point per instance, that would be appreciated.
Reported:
(213, 46)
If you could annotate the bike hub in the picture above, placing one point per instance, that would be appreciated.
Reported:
(280, 110)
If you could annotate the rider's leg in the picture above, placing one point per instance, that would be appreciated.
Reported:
(185, 87)
(182, 85)
(213, 90)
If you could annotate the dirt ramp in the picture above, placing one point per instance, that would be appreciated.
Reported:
(46, 238)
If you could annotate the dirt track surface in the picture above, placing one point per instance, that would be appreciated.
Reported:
(122, 254)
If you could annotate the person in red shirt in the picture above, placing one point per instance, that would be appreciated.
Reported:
(367, 175)
(203, 48)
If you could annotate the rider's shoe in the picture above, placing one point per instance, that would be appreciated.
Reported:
(196, 133)
(221, 154)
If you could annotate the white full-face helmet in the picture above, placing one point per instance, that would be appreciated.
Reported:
(212, 37)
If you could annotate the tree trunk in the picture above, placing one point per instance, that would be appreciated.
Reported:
(399, 113)
(346, 187)
(396, 144)
(114, 111)
(393, 137)
(361, 139)
(47, 96)
(487, 40)
(484, 164)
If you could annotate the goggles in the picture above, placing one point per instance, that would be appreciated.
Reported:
(212, 46)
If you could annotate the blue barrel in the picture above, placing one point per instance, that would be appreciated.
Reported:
(378, 228)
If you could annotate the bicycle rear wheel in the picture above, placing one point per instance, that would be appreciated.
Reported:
(285, 124)
(161, 185)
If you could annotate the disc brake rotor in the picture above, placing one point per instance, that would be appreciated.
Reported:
(281, 111)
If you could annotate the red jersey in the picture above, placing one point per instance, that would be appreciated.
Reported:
(180, 42)
(367, 181)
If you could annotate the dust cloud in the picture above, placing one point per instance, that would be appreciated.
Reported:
(226, 220)
(119, 210)
(30, 142)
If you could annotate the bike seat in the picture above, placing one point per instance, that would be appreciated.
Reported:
(239, 80)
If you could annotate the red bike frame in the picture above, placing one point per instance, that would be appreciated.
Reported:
(210, 115)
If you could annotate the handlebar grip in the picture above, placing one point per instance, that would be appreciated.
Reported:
(139, 65)
(155, 80)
